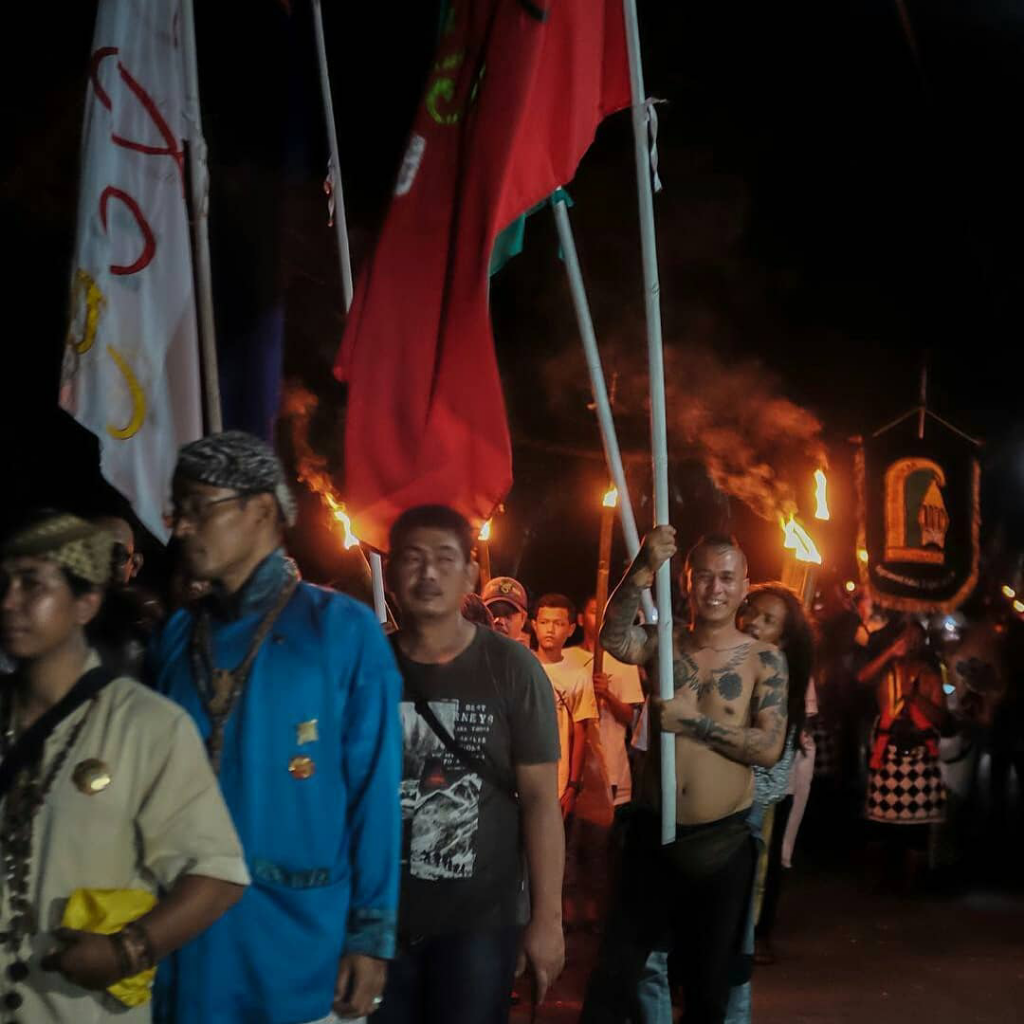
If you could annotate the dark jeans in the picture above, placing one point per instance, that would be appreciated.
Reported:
(699, 917)
(452, 979)
(774, 873)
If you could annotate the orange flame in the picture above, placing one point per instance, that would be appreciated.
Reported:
(611, 498)
(338, 511)
(798, 540)
(485, 531)
(298, 407)
(821, 495)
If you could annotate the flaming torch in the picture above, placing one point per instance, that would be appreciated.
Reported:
(800, 572)
(821, 495)
(604, 556)
(483, 553)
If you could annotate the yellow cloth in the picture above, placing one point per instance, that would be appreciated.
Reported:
(105, 911)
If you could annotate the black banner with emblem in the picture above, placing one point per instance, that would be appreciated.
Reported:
(919, 516)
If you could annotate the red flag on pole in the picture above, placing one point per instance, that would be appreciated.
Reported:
(511, 105)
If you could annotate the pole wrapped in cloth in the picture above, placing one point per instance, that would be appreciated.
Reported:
(510, 106)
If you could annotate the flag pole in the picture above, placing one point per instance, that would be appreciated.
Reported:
(605, 420)
(199, 188)
(659, 433)
(341, 228)
(338, 196)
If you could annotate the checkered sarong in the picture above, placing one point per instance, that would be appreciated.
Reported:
(906, 789)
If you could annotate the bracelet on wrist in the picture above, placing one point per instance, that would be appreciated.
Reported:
(574, 784)
(124, 960)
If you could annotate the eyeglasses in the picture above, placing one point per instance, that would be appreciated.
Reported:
(195, 510)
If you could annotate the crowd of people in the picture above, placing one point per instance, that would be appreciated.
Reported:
(260, 806)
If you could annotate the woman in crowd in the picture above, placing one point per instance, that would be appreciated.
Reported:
(772, 613)
(116, 845)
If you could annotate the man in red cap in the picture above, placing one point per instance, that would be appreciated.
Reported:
(506, 601)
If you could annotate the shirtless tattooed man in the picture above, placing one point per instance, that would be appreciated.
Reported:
(728, 713)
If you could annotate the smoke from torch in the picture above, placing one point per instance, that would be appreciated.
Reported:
(297, 408)
(732, 417)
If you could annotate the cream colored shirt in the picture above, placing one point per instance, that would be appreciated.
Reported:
(574, 702)
(161, 817)
(624, 683)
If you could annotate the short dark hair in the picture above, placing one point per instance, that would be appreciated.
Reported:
(555, 601)
(432, 517)
(716, 542)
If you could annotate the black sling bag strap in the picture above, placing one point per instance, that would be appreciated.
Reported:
(28, 748)
(480, 765)
(474, 762)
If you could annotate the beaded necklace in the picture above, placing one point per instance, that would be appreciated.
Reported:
(24, 799)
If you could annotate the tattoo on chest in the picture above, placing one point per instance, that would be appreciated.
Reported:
(727, 680)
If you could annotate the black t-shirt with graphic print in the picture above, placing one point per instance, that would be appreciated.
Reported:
(461, 859)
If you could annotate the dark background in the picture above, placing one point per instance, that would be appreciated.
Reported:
(834, 212)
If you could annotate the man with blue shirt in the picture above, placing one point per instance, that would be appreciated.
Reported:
(295, 692)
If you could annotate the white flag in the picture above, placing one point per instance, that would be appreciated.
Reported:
(131, 367)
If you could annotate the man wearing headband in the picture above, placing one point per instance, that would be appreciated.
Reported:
(110, 819)
(295, 691)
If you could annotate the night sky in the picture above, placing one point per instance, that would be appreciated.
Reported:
(834, 211)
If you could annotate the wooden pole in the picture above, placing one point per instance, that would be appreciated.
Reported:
(199, 194)
(483, 555)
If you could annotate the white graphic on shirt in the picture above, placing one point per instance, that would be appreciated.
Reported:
(440, 796)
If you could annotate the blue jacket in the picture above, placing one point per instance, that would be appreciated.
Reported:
(323, 850)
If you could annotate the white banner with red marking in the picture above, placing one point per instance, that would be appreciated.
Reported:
(131, 366)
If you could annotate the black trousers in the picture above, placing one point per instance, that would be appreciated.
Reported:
(657, 906)
(452, 979)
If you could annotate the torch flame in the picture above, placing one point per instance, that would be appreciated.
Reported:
(798, 540)
(338, 511)
(485, 531)
(611, 498)
(821, 495)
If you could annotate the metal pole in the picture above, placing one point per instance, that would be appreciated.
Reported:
(604, 551)
(341, 228)
(659, 433)
(199, 187)
(340, 223)
(605, 419)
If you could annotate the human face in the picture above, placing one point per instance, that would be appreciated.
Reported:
(764, 618)
(217, 528)
(126, 561)
(588, 620)
(552, 627)
(39, 612)
(508, 619)
(430, 574)
(717, 584)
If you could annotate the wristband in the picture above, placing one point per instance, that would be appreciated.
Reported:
(574, 784)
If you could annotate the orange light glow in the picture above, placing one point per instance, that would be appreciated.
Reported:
(850, 586)
(798, 540)
(1008, 592)
(821, 495)
(485, 531)
(862, 555)
(611, 498)
(338, 511)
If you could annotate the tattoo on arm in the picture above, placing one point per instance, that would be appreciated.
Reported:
(621, 637)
